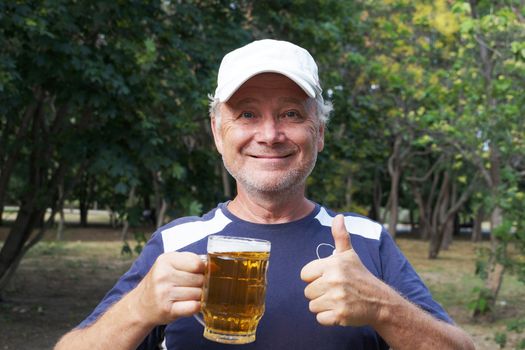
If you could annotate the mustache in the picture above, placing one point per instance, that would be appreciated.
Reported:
(276, 150)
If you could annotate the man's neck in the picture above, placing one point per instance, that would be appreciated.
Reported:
(275, 208)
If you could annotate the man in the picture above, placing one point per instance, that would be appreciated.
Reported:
(326, 289)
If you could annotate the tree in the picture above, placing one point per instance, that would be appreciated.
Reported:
(116, 92)
(492, 62)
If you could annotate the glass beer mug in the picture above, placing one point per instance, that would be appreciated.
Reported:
(234, 288)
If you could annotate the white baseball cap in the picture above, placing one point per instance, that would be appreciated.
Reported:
(267, 56)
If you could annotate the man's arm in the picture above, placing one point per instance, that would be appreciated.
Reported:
(343, 292)
(171, 289)
(404, 325)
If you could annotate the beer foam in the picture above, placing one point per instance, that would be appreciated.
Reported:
(221, 244)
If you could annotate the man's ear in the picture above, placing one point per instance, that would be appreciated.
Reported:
(215, 126)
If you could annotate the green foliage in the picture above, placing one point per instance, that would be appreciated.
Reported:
(500, 339)
(133, 80)
(126, 249)
(482, 301)
(516, 326)
(118, 100)
(136, 246)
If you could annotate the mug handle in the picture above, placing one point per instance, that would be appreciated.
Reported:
(198, 316)
(199, 319)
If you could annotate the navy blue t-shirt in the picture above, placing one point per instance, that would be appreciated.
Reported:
(287, 322)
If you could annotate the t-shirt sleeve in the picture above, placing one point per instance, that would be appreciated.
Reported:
(127, 282)
(400, 275)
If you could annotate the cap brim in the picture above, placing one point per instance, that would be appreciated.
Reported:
(233, 85)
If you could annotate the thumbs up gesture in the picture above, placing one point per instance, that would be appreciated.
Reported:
(340, 288)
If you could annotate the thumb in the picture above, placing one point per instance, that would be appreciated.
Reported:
(340, 234)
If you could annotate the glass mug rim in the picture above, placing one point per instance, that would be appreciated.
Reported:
(237, 244)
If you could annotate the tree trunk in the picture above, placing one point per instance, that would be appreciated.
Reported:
(438, 218)
(18, 235)
(496, 269)
(31, 213)
(450, 222)
(160, 202)
(112, 218)
(129, 203)
(61, 220)
(477, 227)
(448, 231)
(434, 243)
(84, 213)
(445, 209)
(394, 205)
(374, 212)
(162, 213)
(348, 192)
(422, 225)
(85, 197)
(45, 171)
(61, 224)
(394, 169)
(13, 266)
(412, 220)
(9, 159)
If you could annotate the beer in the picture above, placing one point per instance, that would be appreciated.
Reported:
(234, 290)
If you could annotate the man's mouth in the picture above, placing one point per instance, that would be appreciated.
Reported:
(270, 156)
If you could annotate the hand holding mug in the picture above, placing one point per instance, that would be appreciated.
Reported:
(171, 289)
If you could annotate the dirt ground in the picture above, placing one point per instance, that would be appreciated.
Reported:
(59, 283)
(56, 287)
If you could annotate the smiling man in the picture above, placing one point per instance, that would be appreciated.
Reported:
(270, 157)
(337, 280)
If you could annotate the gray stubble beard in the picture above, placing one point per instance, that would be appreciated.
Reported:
(293, 182)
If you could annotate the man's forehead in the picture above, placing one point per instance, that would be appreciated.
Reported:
(250, 100)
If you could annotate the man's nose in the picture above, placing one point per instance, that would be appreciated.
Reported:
(270, 131)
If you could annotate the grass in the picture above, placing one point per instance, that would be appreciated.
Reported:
(451, 279)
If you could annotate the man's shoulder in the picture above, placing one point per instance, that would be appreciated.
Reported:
(355, 223)
(184, 231)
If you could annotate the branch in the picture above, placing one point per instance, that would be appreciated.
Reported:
(464, 197)
(474, 8)
(517, 12)
(477, 161)
(482, 43)
(59, 118)
(427, 175)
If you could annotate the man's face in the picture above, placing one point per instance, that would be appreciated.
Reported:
(269, 136)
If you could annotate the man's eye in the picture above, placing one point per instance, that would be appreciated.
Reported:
(291, 114)
(247, 115)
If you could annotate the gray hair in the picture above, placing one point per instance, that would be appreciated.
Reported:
(322, 108)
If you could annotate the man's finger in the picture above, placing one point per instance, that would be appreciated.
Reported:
(184, 261)
(340, 234)
(312, 271)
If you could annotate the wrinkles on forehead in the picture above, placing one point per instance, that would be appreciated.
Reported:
(247, 101)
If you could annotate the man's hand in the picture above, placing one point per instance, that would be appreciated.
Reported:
(171, 289)
(341, 290)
